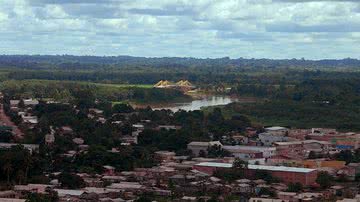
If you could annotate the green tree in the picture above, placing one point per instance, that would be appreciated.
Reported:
(324, 179)
(71, 181)
(35, 197)
(238, 163)
(294, 187)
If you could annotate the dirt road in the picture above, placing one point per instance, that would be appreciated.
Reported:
(6, 121)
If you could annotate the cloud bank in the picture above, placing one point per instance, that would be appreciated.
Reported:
(314, 29)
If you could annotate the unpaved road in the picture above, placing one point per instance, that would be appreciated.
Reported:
(5, 120)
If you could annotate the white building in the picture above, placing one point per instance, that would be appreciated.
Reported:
(268, 139)
(266, 151)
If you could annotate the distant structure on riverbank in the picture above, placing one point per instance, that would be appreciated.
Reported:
(183, 85)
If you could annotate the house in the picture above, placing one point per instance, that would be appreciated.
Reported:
(348, 172)
(12, 200)
(337, 190)
(49, 138)
(277, 130)
(286, 196)
(268, 139)
(129, 139)
(14, 103)
(301, 149)
(198, 147)
(109, 170)
(356, 166)
(188, 199)
(309, 196)
(30, 147)
(31, 120)
(78, 141)
(9, 194)
(239, 149)
(243, 188)
(266, 200)
(138, 126)
(34, 188)
(30, 102)
(66, 130)
(244, 154)
(321, 163)
(96, 111)
(164, 155)
(127, 186)
(69, 193)
(240, 139)
(168, 127)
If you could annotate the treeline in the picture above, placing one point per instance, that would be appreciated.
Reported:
(73, 92)
(69, 61)
(331, 91)
(300, 114)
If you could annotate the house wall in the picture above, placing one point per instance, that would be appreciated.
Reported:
(196, 149)
(286, 176)
(291, 177)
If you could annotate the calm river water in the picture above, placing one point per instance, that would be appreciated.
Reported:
(198, 104)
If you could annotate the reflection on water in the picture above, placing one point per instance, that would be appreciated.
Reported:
(198, 104)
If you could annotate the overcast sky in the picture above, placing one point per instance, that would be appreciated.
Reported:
(313, 29)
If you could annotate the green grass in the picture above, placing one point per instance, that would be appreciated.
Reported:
(90, 83)
(120, 85)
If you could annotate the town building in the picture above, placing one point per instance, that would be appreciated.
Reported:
(267, 139)
(304, 176)
(238, 150)
(198, 147)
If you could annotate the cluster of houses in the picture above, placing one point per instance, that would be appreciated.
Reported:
(23, 108)
(187, 178)
(281, 152)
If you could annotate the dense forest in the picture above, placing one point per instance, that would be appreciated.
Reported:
(297, 93)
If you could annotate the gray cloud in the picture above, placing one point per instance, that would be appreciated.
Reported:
(259, 37)
(291, 27)
(42, 2)
(169, 10)
(306, 1)
(203, 28)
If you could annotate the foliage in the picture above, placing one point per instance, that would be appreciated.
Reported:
(17, 165)
(324, 179)
(216, 151)
(229, 175)
(84, 94)
(71, 181)
(294, 187)
(240, 164)
(348, 156)
(265, 175)
(35, 197)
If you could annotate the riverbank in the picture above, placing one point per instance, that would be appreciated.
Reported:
(197, 104)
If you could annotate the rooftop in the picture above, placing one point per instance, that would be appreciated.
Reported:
(302, 142)
(274, 128)
(245, 147)
(259, 167)
(205, 143)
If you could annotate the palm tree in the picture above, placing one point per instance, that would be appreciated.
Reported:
(20, 176)
(8, 169)
(27, 162)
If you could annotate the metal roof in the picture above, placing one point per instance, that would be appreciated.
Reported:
(259, 167)
(280, 168)
(274, 128)
(213, 164)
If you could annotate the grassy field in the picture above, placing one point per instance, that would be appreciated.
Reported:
(96, 84)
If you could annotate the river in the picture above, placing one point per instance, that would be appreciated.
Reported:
(200, 103)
